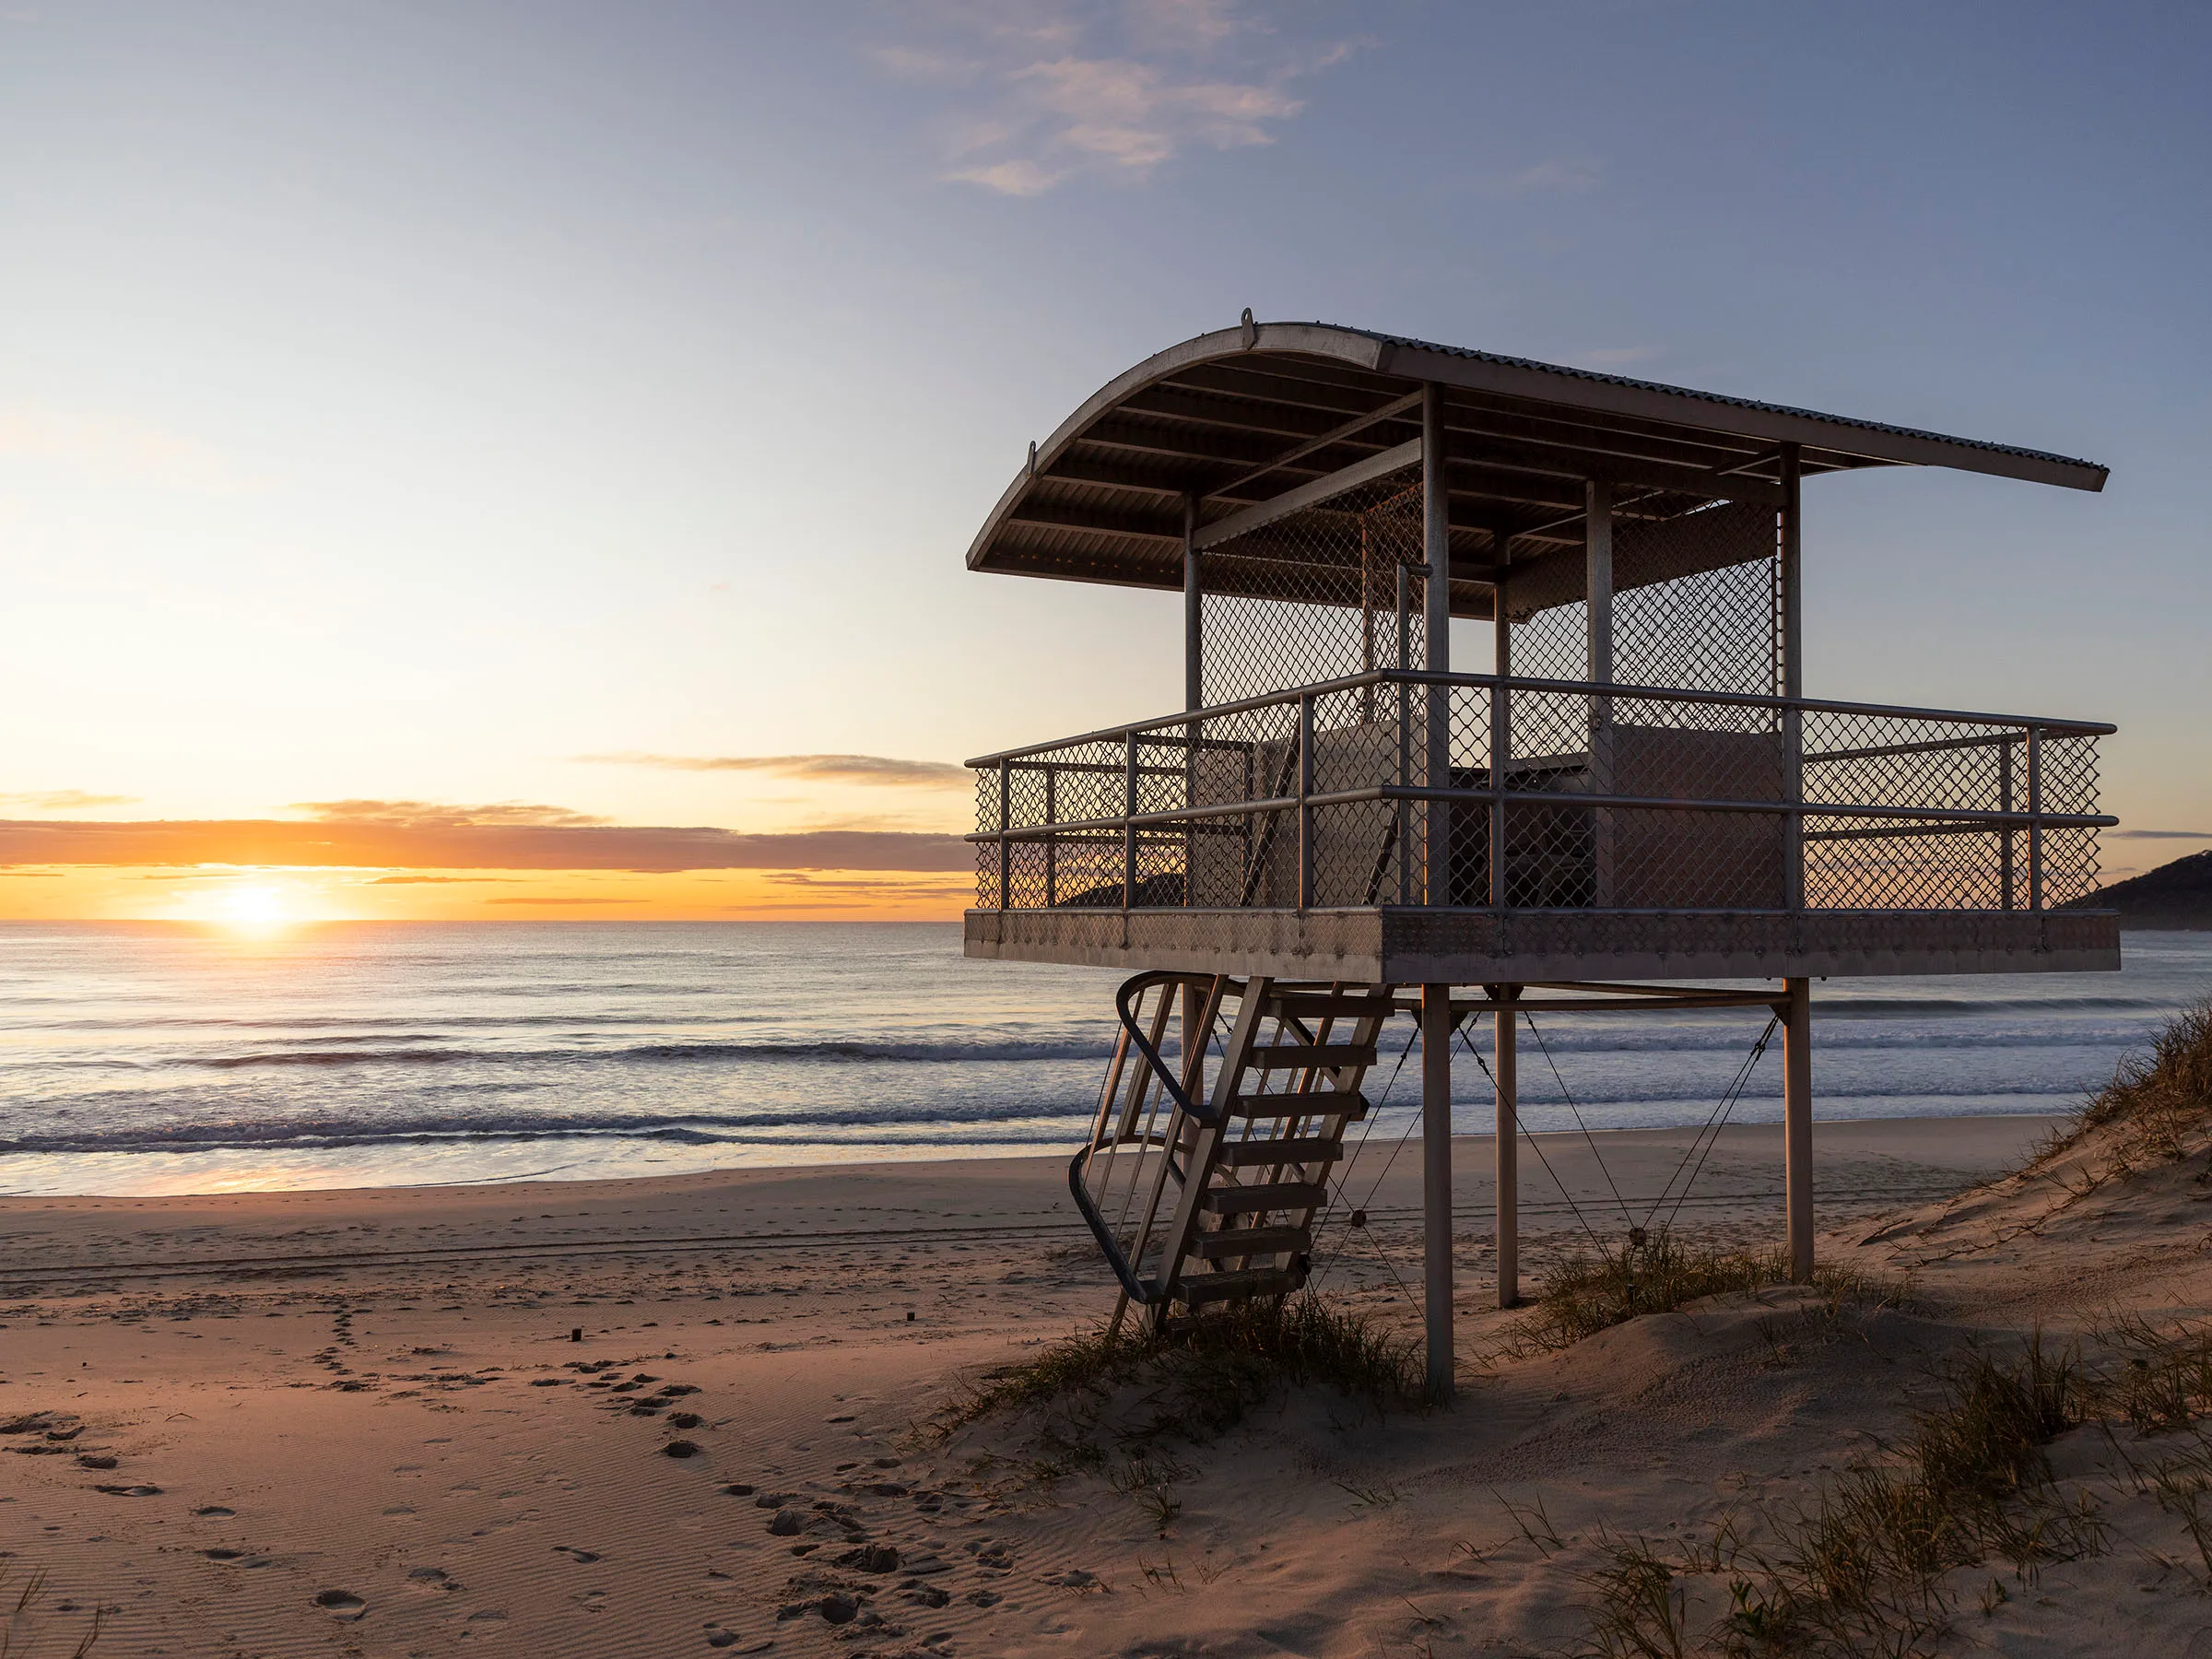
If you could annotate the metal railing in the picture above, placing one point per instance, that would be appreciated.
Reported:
(1403, 787)
(1121, 1178)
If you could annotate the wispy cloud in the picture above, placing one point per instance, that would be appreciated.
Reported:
(63, 800)
(2160, 834)
(432, 815)
(1046, 93)
(415, 835)
(437, 880)
(557, 900)
(923, 887)
(837, 769)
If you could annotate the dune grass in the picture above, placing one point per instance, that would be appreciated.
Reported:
(1591, 1290)
(24, 1633)
(2158, 1106)
(1202, 1376)
(1860, 1572)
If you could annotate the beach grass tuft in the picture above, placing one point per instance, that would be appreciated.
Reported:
(1860, 1572)
(1200, 1377)
(1591, 1290)
(2157, 1107)
(23, 1629)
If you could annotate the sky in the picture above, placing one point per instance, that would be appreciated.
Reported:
(469, 459)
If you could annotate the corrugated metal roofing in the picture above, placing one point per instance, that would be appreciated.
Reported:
(1718, 397)
(1237, 418)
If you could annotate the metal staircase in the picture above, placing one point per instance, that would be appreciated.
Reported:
(1204, 1172)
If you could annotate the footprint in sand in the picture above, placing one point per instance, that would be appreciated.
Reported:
(342, 1604)
(215, 1511)
(130, 1491)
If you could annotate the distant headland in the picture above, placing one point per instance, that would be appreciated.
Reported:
(2176, 895)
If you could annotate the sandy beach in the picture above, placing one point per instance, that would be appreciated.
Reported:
(425, 1421)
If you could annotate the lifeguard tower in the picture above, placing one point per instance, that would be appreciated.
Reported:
(1342, 824)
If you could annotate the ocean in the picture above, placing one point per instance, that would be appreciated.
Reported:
(146, 1058)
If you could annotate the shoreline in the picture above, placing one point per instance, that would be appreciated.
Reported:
(820, 1155)
(1861, 1164)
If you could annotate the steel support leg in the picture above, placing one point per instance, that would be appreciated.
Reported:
(1436, 1182)
(1504, 1063)
(1797, 1124)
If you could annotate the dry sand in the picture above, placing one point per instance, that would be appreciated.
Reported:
(357, 1422)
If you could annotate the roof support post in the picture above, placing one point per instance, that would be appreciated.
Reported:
(1436, 1184)
(1194, 622)
(1501, 725)
(1404, 826)
(1436, 536)
(1194, 697)
(1598, 559)
(1791, 605)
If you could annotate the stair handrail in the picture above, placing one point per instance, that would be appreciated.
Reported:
(1109, 1246)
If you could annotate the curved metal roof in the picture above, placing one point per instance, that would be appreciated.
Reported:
(1245, 415)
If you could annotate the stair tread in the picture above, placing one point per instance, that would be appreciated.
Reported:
(1327, 1001)
(1328, 1055)
(1321, 1102)
(1250, 1240)
(1238, 1282)
(1265, 1195)
(1291, 1149)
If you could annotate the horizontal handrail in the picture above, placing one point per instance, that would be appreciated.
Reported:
(1139, 1289)
(1421, 676)
(1545, 797)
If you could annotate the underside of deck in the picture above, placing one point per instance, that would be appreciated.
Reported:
(1420, 946)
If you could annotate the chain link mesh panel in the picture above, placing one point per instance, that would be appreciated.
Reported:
(1317, 595)
(1614, 800)
(1697, 607)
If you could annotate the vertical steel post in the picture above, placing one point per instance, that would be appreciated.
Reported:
(1436, 537)
(1597, 591)
(1505, 1070)
(1052, 840)
(1405, 808)
(1006, 848)
(1797, 1123)
(1436, 1183)
(1194, 614)
(2010, 846)
(1128, 822)
(1305, 810)
(1597, 572)
(1502, 729)
(1194, 689)
(2035, 818)
(1793, 680)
